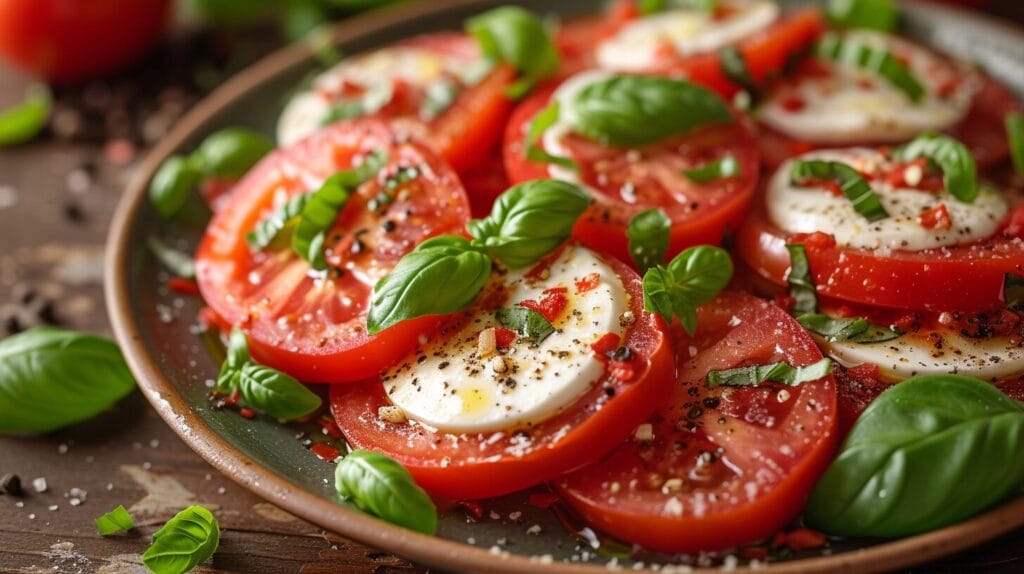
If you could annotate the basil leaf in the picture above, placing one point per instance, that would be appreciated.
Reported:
(117, 520)
(186, 541)
(630, 111)
(275, 393)
(177, 262)
(514, 35)
(726, 166)
(928, 452)
(855, 329)
(236, 357)
(441, 276)
(538, 125)
(833, 47)
(853, 186)
(529, 221)
(691, 279)
(173, 184)
(267, 230)
(734, 67)
(881, 15)
(1015, 137)
(648, 7)
(51, 378)
(323, 206)
(801, 287)
(527, 322)
(648, 234)
(24, 121)
(1013, 291)
(231, 152)
(959, 173)
(380, 486)
(780, 372)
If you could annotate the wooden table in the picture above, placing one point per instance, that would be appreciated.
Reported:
(57, 196)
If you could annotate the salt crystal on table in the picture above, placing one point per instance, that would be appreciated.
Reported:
(39, 484)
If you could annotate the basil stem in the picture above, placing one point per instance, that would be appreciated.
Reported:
(853, 186)
(880, 15)
(514, 35)
(726, 166)
(959, 173)
(1015, 136)
(801, 286)
(24, 121)
(117, 520)
(734, 66)
(538, 125)
(691, 279)
(846, 51)
(648, 234)
(267, 230)
(380, 486)
(527, 322)
(275, 393)
(186, 541)
(780, 372)
(854, 329)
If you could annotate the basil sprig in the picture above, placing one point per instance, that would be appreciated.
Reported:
(927, 453)
(538, 125)
(780, 372)
(648, 234)
(726, 166)
(51, 378)
(853, 329)
(22, 122)
(527, 322)
(117, 520)
(380, 486)
(1015, 136)
(959, 173)
(801, 286)
(186, 541)
(691, 279)
(444, 274)
(853, 186)
(517, 36)
(177, 262)
(734, 66)
(268, 229)
(834, 47)
(881, 15)
(630, 111)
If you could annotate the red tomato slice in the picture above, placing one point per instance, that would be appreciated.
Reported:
(470, 466)
(630, 181)
(311, 328)
(726, 466)
(485, 182)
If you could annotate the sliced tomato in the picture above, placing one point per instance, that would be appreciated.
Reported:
(485, 182)
(314, 327)
(470, 466)
(961, 278)
(726, 466)
(629, 181)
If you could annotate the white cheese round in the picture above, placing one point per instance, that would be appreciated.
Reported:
(448, 386)
(796, 209)
(852, 105)
(639, 45)
(553, 136)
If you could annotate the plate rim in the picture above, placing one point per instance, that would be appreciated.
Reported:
(246, 472)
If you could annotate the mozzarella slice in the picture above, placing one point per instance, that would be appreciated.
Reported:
(449, 387)
(640, 45)
(305, 113)
(553, 136)
(796, 209)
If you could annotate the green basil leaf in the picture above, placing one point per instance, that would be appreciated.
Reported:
(527, 322)
(928, 452)
(801, 286)
(267, 230)
(855, 329)
(323, 206)
(1013, 291)
(691, 279)
(529, 221)
(172, 185)
(236, 357)
(853, 186)
(514, 35)
(177, 262)
(959, 173)
(231, 152)
(275, 393)
(51, 378)
(538, 125)
(648, 7)
(380, 486)
(630, 111)
(443, 275)
(833, 47)
(369, 103)
(726, 166)
(1015, 137)
(781, 372)
(24, 121)
(648, 234)
(186, 541)
(881, 15)
(117, 520)
(734, 66)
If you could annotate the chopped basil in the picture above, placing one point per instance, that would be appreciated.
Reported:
(734, 66)
(534, 151)
(726, 166)
(267, 230)
(177, 262)
(853, 186)
(527, 322)
(832, 46)
(1015, 136)
(854, 329)
(648, 234)
(881, 15)
(801, 287)
(780, 372)
(1013, 291)
(959, 173)
(117, 520)
(24, 121)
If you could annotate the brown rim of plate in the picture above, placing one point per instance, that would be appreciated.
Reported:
(366, 529)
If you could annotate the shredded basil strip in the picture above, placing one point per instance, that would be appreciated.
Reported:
(853, 186)
(527, 322)
(117, 520)
(801, 287)
(881, 15)
(267, 230)
(22, 122)
(540, 123)
(177, 262)
(959, 172)
(734, 66)
(833, 47)
(1013, 291)
(368, 103)
(647, 7)
(780, 372)
(853, 329)
(1015, 136)
(726, 166)
(648, 234)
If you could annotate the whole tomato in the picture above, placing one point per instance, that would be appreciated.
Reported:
(66, 41)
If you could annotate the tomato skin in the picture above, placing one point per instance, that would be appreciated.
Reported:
(480, 466)
(68, 42)
(778, 462)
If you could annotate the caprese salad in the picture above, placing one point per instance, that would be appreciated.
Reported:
(712, 274)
